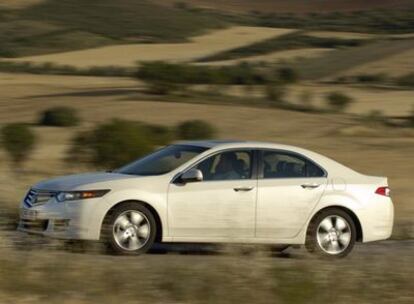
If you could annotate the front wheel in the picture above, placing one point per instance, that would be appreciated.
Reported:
(332, 233)
(130, 229)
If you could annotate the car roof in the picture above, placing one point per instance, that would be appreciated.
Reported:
(208, 143)
(234, 144)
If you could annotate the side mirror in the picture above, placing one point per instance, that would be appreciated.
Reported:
(192, 175)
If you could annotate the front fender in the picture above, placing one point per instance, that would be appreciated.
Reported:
(158, 201)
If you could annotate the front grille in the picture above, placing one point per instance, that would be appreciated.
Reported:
(60, 225)
(37, 197)
(34, 225)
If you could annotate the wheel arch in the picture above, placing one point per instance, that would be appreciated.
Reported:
(358, 226)
(154, 212)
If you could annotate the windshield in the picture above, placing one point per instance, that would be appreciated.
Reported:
(162, 161)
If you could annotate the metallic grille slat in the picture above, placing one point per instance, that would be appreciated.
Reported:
(37, 197)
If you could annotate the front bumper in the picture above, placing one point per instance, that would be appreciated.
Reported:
(71, 220)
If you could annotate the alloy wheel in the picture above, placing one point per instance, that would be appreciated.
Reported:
(131, 230)
(334, 234)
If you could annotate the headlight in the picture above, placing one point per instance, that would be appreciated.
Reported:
(79, 195)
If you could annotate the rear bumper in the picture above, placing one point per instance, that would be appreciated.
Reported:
(377, 221)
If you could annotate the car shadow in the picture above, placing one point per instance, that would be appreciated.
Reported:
(23, 242)
(213, 250)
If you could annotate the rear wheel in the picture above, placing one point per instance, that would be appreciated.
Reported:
(130, 229)
(331, 233)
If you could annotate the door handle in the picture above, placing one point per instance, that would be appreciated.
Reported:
(245, 189)
(310, 186)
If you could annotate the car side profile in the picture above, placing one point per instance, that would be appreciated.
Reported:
(215, 192)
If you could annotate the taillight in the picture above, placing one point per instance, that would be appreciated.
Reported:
(385, 191)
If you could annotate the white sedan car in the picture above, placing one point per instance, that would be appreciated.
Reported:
(214, 192)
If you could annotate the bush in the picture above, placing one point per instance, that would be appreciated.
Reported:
(116, 143)
(338, 101)
(60, 117)
(181, 5)
(164, 73)
(376, 117)
(275, 93)
(162, 87)
(19, 141)
(195, 129)
(406, 80)
(287, 75)
(370, 78)
(411, 118)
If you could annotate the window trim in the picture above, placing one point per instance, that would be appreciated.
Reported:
(254, 172)
(260, 164)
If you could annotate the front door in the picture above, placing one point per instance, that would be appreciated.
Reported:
(221, 206)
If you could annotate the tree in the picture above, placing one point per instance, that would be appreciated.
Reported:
(19, 141)
(60, 117)
(338, 101)
(275, 93)
(411, 118)
(116, 143)
(195, 129)
(287, 75)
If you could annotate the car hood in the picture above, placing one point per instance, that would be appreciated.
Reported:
(70, 182)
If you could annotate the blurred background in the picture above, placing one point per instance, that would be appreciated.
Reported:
(91, 85)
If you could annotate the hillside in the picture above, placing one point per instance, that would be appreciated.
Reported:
(294, 6)
(127, 55)
(59, 25)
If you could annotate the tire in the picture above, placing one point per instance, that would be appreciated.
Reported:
(129, 229)
(331, 233)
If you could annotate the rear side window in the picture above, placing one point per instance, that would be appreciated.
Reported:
(277, 164)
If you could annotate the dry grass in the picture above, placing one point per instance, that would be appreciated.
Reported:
(355, 35)
(13, 4)
(129, 55)
(340, 35)
(390, 102)
(55, 276)
(395, 65)
(341, 61)
(386, 152)
(284, 56)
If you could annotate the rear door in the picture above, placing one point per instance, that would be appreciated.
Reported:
(289, 187)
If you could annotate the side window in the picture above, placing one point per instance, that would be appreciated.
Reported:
(314, 171)
(231, 165)
(284, 165)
